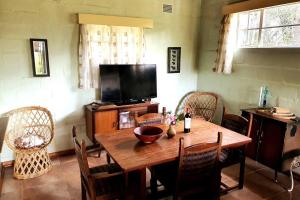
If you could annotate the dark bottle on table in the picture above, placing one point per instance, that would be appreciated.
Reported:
(187, 121)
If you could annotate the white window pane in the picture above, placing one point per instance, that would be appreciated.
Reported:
(252, 39)
(282, 15)
(242, 38)
(254, 19)
(243, 20)
(281, 37)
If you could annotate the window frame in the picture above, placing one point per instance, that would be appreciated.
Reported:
(260, 28)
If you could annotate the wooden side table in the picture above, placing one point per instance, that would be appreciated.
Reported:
(274, 139)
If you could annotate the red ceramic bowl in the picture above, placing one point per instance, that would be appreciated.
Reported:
(148, 134)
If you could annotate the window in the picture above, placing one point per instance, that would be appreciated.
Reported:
(271, 27)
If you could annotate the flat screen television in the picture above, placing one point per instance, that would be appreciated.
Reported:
(124, 84)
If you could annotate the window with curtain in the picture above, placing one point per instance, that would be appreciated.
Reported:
(277, 26)
(101, 44)
(227, 44)
(271, 27)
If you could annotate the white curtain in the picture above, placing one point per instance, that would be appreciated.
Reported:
(227, 44)
(101, 44)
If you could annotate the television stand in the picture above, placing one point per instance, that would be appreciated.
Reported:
(104, 119)
(129, 102)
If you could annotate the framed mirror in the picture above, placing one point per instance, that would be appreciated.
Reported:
(40, 60)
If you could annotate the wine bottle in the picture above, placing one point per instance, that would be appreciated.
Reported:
(187, 121)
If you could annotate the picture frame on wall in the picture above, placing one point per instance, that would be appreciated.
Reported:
(174, 54)
(40, 59)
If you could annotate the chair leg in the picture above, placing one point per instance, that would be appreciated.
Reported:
(83, 192)
(153, 187)
(2, 177)
(242, 172)
(108, 158)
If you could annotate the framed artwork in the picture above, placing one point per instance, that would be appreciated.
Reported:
(40, 60)
(174, 59)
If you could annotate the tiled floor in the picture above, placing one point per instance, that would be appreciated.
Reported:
(62, 183)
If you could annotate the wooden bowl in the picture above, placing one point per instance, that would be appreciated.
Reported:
(148, 134)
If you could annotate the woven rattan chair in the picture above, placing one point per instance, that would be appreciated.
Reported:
(196, 175)
(230, 157)
(30, 130)
(294, 165)
(200, 104)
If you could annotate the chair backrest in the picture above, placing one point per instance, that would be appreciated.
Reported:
(148, 119)
(3, 125)
(29, 121)
(198, 163)
(86, 179)
(200, 104)
(235, 123)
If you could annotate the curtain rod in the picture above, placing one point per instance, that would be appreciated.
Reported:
(114, 20)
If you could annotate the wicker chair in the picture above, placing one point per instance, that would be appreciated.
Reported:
(200, 104)
(30, 130)
(230, 157)
(295, 164)
(195, 175)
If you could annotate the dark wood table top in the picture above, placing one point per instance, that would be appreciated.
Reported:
(131, 154)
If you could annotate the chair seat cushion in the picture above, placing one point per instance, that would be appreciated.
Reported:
(115, 185)
(111, 185)
(230, 156)
(109, 168)
(29, 142)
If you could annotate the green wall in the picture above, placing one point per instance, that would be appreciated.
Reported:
(279, 69)
(56, 20)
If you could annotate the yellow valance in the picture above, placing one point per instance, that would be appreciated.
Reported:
(114, 20)
(252, 5)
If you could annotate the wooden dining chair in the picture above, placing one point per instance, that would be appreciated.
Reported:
(200, 104)
(229, 157)
(94, 153)
(147, 119)
(196, 173)
(102, 182)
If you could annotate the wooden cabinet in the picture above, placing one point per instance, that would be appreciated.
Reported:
(273, 139)
(104, 119)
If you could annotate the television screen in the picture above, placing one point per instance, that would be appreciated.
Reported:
(127, 83)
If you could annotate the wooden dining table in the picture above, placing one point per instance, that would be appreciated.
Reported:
(131, 154)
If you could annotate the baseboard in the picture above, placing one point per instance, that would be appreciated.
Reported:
(62, 153)
(57, 154)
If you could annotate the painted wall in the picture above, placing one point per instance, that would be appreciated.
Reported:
(279, 69)
(56, 20)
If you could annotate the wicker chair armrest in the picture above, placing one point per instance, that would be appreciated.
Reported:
(104, 175)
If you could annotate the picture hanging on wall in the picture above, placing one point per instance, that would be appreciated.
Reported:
(40, 60)
(174, 59)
